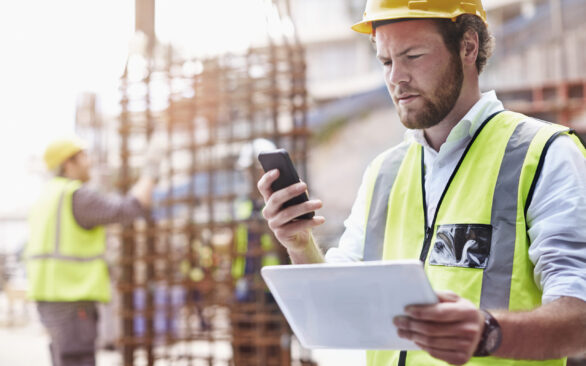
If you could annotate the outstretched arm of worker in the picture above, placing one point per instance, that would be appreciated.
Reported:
(295, 235)
(143, 188)
(451, 329)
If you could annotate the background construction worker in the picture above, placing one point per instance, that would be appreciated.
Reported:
(66, 269)
(254, 248)
(255, 308)
(505, 191)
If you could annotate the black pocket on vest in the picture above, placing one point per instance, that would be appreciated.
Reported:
(462, 245)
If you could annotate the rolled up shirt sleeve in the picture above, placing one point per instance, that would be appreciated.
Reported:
(92, 208)
(351, 245)
(557, 223)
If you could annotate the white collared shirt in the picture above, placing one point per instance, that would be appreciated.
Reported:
(556, 216)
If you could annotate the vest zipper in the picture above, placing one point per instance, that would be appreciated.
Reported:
(428, 229)
(426, 243)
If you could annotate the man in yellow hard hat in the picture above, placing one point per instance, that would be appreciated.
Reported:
(66, 270)
(492, 202)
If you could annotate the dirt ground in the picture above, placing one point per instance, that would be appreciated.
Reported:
(23, 341)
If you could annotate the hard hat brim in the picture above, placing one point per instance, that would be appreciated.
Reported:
(365, 25)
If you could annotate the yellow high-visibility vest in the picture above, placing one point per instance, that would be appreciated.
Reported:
(65, 262)
(477, 243)
(269, 257)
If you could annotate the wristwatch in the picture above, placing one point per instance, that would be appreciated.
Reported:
(491, 336)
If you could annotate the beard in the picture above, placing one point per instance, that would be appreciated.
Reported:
(437, 105)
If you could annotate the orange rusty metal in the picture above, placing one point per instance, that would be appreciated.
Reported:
(559, 102)
(174, 270)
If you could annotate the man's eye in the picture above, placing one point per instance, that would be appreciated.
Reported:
(413, 57)
(388, 63)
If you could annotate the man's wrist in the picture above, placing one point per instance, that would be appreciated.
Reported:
(491, 337)
(308, 252)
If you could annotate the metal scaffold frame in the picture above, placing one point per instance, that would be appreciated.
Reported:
(179, 301)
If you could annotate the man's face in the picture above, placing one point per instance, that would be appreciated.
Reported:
(80, 166)
(423, 78)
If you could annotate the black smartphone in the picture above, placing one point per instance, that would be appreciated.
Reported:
(279, 159)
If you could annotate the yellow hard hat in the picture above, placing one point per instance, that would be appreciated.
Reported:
(399, 9)
(62, 149)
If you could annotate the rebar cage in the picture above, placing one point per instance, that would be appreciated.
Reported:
(189, 290)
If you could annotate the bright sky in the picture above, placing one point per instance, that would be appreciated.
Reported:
(53, 50)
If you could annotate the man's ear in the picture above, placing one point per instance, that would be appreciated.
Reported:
(469, 48)
(68, 165)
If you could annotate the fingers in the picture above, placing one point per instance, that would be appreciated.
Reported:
(293, 234)
(446, 348)
(276, 218)
(428, 330)
(448, 330)
(447, 296)
(264, 183)
(276, 199)
(444, 312)
(273, 212)
(451, 342)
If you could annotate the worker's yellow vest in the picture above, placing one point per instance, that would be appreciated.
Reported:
(477, 245)
(64, 261)
(269, 256)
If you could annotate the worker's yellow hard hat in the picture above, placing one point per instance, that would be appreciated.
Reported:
(61, 149)
(399, 9)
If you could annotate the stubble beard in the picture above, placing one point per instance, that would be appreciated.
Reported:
(436, 107)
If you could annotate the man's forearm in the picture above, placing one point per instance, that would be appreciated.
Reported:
(92, 208)
(554, 330)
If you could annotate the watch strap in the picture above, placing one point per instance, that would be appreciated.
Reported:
(491, 336)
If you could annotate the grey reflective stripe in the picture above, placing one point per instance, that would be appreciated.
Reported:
(57, 247)
(377, 215)
(496, 281)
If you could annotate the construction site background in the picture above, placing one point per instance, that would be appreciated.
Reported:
(302, 80)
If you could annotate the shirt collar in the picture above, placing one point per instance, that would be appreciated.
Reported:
(487, 105)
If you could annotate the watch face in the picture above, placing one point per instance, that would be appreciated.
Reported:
(492, 339)
(493, 335)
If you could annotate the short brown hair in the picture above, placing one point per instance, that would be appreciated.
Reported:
(453, 32)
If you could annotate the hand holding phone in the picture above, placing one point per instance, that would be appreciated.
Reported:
(279, 159)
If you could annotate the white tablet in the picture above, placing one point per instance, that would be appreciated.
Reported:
(349, 305)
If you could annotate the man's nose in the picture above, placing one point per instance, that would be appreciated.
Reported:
(398, 75)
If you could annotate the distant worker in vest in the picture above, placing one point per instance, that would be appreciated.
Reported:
(66, 269)
(254, 249)
(492, 202)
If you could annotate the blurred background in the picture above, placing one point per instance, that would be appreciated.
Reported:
(208, 78)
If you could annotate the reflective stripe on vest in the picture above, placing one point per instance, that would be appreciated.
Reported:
(519, 143)
(377, 211)
(65, 262)
(56, 254)
(496, 283)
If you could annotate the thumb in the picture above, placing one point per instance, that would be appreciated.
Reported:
(447, 296)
